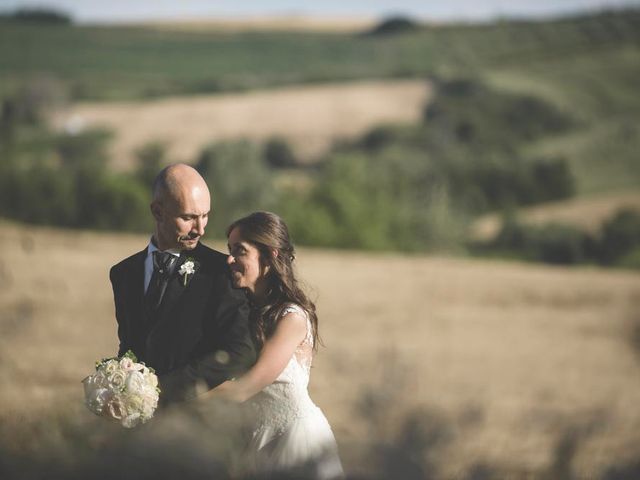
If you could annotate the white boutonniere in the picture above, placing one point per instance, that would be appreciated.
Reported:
(186, 269)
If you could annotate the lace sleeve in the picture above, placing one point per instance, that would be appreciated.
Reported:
(294, 308)
(304, 352)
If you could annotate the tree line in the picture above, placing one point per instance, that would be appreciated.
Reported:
(409, 188)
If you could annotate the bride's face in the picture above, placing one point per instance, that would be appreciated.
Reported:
(247, 269)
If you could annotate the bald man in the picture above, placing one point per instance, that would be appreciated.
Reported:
(175, 306)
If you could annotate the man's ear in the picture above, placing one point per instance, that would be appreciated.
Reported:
(156, 210)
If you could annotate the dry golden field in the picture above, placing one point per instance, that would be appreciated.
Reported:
(288, 23)
(311, 118)
(502, 364)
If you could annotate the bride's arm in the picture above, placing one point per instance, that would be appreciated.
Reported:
(273, 358)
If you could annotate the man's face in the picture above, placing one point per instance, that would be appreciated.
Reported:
(181, 220)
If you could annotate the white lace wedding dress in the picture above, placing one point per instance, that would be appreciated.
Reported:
(291, 431)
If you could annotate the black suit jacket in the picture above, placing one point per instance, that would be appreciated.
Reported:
(198, 338)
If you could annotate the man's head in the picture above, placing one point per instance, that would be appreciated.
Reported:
(180, 206)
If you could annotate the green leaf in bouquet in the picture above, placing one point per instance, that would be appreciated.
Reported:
(131, 355)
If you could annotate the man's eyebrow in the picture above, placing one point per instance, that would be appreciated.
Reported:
(192, 214)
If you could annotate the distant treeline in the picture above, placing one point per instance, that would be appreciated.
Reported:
(44, 16)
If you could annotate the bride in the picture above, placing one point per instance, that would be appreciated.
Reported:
(291, 432)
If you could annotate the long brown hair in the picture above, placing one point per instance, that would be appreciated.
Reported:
(269, 234)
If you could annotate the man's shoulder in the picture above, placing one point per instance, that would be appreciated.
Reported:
(128, 263)
(210, 257)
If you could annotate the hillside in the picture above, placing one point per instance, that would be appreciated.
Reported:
(311, 118)
(587, 213)
(545, 111)
(500, 363)
(123, 63)
(587, 66)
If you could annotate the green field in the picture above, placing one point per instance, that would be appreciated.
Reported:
(124, 63)
(600, 89)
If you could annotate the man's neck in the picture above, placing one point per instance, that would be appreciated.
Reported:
(154, 242)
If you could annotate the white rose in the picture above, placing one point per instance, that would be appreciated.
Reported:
(110, 367)
(150, 396)
(151, 379)
(116, 409)
(138, 367)
(126, 363)
(135, 382)
(99, 380)
(118, 379)
(135, 402)
(147, 412)
(187, 268)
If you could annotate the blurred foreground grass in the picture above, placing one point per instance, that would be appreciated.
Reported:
(433, 367)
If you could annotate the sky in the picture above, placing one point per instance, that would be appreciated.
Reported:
(96, 11)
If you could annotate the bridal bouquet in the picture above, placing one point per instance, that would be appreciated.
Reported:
(122, 389)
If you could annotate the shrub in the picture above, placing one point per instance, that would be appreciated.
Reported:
(560, 244)
(617, 244)
(620, 236)
(74, 198)
(39, 15)
(30, 104)
(278, 153)
(395, 25)
(392, 200)
(549, 243)
(239, 180)
(120, 203)
(38, 194)
(385, 136)
(552, 178)
(85, 151)
(68, 184)
(482, 117)
(630, 260)
(151, 158)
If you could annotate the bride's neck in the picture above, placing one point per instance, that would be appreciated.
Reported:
(259, 293)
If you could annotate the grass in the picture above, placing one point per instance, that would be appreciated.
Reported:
(125, 62)
(599, 89)
(490, 363)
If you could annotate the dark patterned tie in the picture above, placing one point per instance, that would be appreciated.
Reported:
(163, 266)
